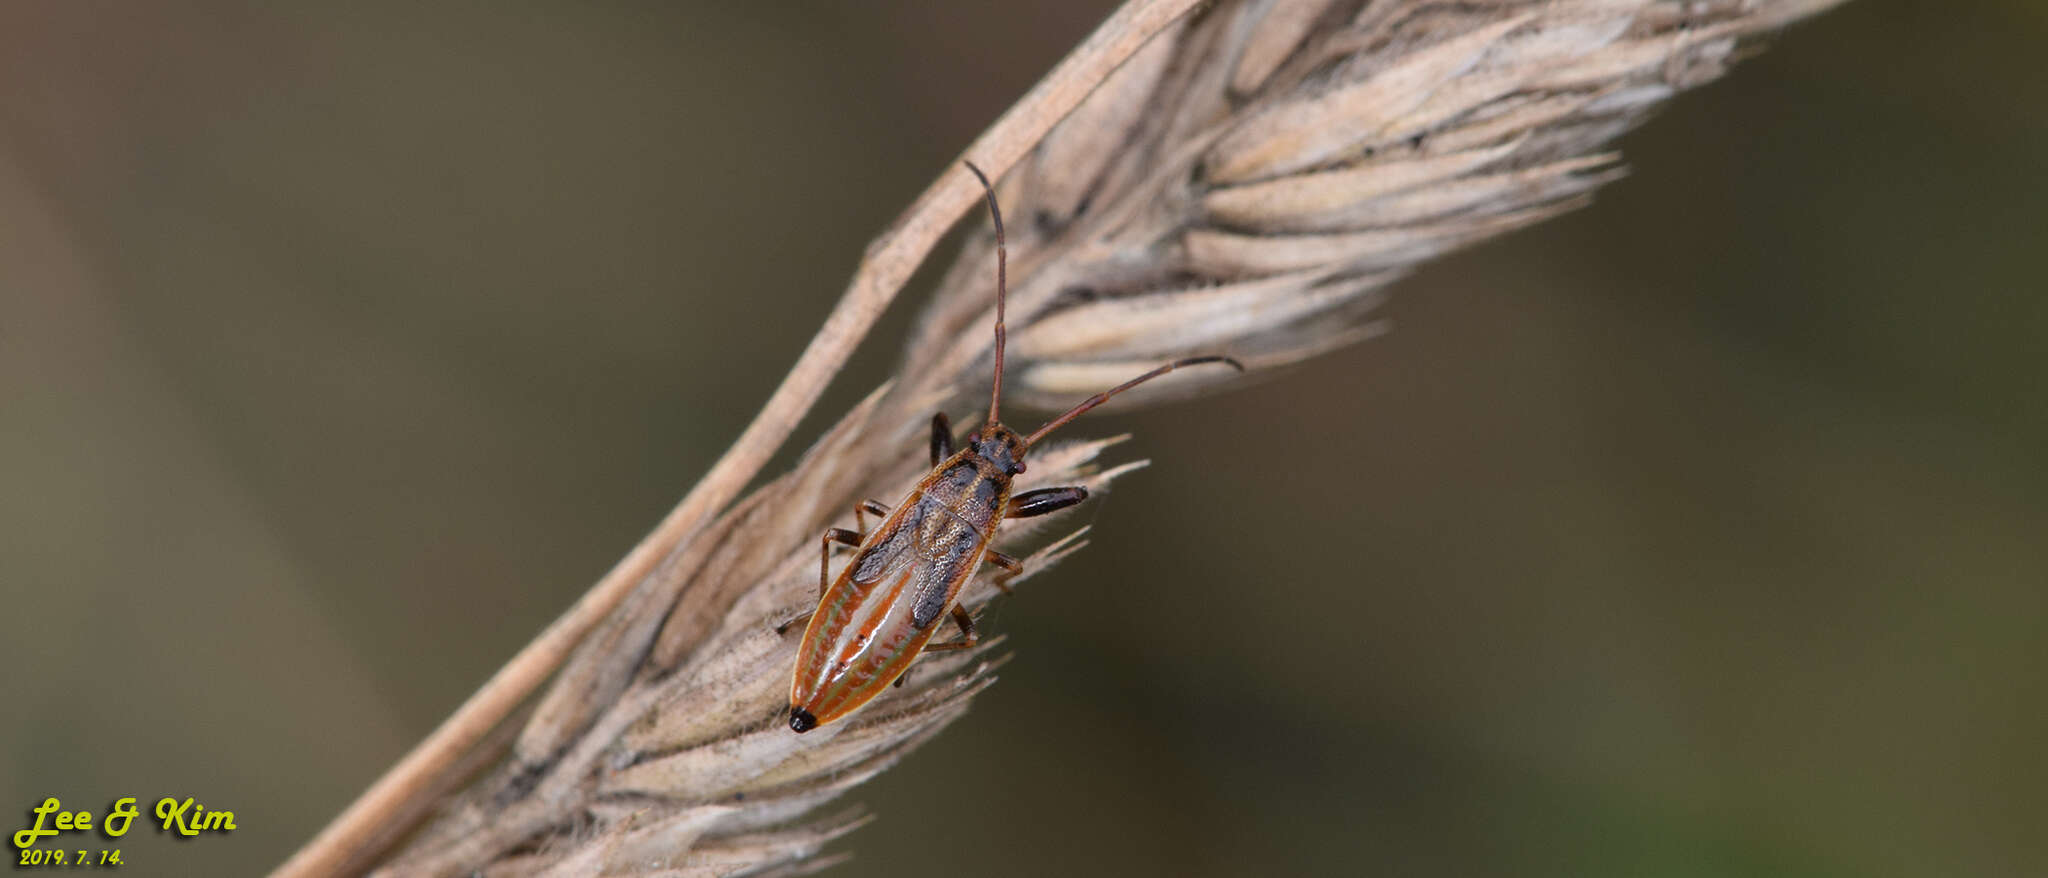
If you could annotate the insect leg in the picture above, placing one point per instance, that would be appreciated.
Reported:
(1011, 567)
(871, 507)
(838, 535)
(832, 535)
(942, 438)
(1045, 500)
(968, 638)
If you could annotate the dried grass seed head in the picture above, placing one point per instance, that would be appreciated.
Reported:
(1252, 180)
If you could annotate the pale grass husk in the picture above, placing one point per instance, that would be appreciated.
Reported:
(1248, 183)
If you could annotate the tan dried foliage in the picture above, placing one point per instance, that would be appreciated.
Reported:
(1247, 183)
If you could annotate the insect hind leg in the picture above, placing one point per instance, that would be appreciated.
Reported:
(838, 535)
(969, 639)
(843, 537)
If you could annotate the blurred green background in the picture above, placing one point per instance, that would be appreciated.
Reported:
(1698, 533)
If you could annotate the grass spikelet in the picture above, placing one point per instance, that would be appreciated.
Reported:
(1249, 181)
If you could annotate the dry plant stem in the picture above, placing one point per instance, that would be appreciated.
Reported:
(405, 791)
(1247, 184)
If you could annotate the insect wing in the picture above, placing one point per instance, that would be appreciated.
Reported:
(863, 635)
(948, 548)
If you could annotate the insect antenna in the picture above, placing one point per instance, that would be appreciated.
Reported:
(1104, 396)
(995, 394)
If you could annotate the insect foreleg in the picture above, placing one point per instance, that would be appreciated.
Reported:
(1045, 500)
(942, 438)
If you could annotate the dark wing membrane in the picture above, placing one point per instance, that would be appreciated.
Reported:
(946, 546)
(875, 564)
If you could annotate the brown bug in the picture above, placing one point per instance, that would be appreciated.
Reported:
(885, 606)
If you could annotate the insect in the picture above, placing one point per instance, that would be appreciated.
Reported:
(884, 608)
